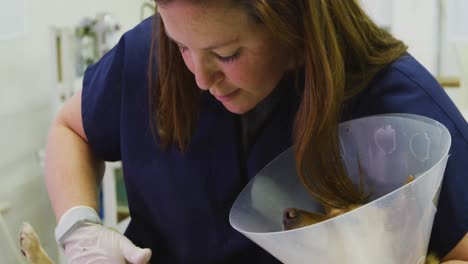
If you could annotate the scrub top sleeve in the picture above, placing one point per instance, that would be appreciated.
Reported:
(101, 104)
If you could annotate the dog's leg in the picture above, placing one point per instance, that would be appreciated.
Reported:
(31, 247)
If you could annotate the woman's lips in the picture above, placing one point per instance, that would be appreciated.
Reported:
(227, 97)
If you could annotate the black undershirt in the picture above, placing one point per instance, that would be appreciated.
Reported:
(252, 122)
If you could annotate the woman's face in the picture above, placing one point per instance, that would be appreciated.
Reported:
(237, 60)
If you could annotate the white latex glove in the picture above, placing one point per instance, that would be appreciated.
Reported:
(93, 243)
(86, 241)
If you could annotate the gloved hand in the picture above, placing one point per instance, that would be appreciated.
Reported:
(86, 241)
(94, 243)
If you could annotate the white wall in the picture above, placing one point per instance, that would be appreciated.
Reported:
(413, 21)
(27, 90)
(416, 23)
(422, 25)
(454, 48)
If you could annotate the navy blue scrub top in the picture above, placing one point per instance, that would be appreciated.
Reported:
(179, 203)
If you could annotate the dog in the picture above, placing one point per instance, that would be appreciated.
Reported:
(31, 247)
(294, 218)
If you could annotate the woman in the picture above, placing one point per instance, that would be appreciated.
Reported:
(227, 87)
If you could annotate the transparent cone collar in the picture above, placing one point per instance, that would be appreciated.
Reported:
(393, 228)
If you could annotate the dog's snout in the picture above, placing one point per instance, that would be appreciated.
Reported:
(296, 218)
(290, 213)
(290, 218)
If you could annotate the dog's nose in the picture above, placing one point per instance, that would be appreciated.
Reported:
(290, 218)
(290, 213)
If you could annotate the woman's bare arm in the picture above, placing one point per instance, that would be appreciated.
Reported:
(72, 172)
(460, 251)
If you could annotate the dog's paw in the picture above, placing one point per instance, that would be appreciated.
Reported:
(31, 247)
(29, 241)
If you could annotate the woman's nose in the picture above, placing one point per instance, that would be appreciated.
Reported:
(207, 75)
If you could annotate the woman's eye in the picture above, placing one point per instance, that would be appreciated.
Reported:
(229, 59)
(224, 59)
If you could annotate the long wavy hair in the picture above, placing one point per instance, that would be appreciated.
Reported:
(340, 48)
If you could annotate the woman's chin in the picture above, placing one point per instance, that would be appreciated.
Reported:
(236, 109)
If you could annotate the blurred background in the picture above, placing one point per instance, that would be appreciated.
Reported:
(46, 45)
(44, 49)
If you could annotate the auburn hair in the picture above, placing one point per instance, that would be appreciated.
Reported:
(340, 48)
